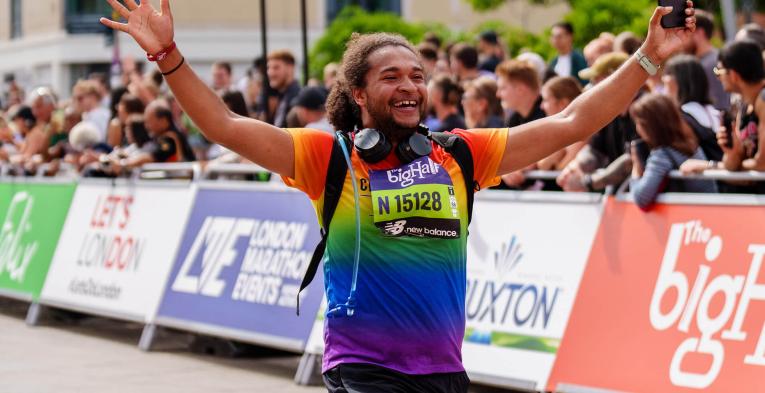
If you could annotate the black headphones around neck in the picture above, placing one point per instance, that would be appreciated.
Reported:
(372, 145)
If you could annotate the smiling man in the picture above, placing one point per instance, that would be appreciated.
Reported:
(408, 321)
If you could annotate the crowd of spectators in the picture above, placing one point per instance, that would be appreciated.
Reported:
(700, 112)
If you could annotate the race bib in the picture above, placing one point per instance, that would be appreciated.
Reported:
(416, 199)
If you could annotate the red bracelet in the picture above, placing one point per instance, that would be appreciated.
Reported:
(162, 54)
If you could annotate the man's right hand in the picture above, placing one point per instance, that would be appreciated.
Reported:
(151, 29)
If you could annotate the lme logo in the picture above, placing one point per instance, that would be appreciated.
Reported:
(692, 300)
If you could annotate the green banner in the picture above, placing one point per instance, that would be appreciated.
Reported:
(32, 216)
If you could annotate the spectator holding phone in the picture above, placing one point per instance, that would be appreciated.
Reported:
(659, 123)
(741, 71)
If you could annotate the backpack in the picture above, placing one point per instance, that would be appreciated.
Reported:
(333, 188)
(707, 138)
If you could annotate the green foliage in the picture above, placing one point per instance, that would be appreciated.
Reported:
(485, 5)
(331, 45)
(516, 40)
(592, 17)
(589, 17)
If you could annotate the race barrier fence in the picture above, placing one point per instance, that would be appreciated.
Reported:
(566, 292)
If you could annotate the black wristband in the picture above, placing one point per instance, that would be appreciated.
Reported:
(183, 60)
(587, 182)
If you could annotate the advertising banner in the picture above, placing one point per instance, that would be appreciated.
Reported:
(525, 260)
(31, 218)
(117, 248)
(240, 265)
(672, 300)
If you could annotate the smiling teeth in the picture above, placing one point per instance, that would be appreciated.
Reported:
(402, 103)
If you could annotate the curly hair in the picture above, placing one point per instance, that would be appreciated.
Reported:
(342, 110)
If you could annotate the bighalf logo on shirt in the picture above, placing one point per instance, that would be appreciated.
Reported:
(694, 302)
(407, 175)
(15, 257)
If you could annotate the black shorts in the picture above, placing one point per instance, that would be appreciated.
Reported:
(368, 378)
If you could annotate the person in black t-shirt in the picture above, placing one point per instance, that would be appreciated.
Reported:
(518, 87)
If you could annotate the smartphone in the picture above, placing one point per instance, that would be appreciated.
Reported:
(727, 121)
(677, 17)
(642, 149)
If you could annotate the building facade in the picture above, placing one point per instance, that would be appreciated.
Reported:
(56, 42)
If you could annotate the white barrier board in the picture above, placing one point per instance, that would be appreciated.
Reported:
(117, 248)
(525, 262)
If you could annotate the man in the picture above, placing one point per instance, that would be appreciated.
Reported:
(568, 62)
(701, 47)
(490, 51)
(518, 87)
(740, 69)
(281, 76)
(221, 76)
(409, 316)
(310, 109)
(464, 63)
(444, 96)
(167, 143)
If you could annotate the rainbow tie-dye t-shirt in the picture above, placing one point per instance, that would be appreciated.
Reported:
(410, 297)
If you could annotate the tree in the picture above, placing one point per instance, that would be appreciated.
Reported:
(330, 47)
(592, 17)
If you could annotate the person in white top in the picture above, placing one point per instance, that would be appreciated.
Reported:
(87, 99)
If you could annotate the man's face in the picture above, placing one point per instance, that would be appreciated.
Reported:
(561, 40)
(85, 102)
(396, 95)
(727, 78)
(154, 125)
(511, 93)
(221, 78)
(280, 74)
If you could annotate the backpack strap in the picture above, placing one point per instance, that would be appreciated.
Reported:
(459, 149)
(333, 188)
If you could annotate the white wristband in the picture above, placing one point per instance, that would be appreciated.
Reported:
(646, 63)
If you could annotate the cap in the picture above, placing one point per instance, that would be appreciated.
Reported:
(605, 65)
(312, 98)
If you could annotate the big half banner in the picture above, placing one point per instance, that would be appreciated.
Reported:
(525, 260)
(117, 248)
(31, 218)
(240, 265)
(673, 300)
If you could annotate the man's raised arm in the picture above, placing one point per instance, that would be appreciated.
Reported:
(595, 108)
(262, 143)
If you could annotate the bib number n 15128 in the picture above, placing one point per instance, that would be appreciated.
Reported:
(417, 199)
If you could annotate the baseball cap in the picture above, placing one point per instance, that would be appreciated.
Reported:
(604, 65)
(312, 98)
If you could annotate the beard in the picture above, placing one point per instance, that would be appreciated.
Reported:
(385, 122)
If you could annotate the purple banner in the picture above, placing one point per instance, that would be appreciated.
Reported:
(241, 262)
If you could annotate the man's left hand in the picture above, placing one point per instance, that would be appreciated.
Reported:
(662, 43)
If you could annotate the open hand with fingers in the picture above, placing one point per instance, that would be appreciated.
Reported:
(150, 28)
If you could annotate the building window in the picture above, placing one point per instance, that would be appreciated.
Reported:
(335, 6)
(16, 19)
(82, 16)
